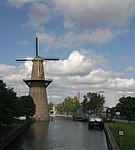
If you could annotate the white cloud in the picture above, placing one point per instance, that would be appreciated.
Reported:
(85, 21)
(119, 83)
(20, 3)
(103, 36)
(130, 69)
(97, 76)
(88, 21)
(81, 71)
(39, 13)
(78, 63)
(13, 77)
(23, 43)
(78, 39)
(47, 38)
(68, 24)
(93, 13)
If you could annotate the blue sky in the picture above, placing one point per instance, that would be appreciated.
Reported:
(93, 39)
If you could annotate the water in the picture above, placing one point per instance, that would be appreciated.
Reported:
(61, 134)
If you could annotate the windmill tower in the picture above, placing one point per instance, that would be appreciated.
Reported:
(37, 85)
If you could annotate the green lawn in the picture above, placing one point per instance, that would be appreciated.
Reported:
(128, 139)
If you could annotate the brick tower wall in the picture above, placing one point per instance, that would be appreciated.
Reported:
(37, 90)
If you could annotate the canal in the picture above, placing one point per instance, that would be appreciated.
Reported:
(60, 134)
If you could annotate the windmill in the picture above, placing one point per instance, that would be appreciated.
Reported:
(37, 85)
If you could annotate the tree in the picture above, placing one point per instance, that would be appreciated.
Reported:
(69, 105)
(12, 107)
(93, 102)
(126, 106)
(76, 104)
(51, 105)
(85, 106)
(28, 106)
(61, 107)
(8, 104)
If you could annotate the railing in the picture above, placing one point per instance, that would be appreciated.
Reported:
(37, 79)
(7, 139)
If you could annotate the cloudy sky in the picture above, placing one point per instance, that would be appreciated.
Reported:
(95, 41)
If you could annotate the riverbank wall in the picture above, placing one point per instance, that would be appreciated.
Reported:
(112, 145)
(11, 136)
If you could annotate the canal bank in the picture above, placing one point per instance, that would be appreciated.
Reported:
(124, 134)
(112, 145)
(7, 139)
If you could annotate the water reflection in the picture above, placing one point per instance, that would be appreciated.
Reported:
(60, 134)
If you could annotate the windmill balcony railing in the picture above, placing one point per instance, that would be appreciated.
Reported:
(30, 79)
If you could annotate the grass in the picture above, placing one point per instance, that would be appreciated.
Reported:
(128, 139)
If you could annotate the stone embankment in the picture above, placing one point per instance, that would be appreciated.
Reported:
(112, 145)
(7, 139)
